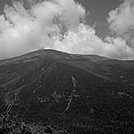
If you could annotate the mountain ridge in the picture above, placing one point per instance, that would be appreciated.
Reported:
(50, 51)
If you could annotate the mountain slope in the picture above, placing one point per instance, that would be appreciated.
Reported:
(49, 85)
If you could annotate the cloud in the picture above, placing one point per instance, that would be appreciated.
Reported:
(121, 22)
(23, 30)
(55, 24)
(122, 18)
(85, 41)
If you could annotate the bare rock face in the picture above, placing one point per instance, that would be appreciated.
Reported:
(49, 85)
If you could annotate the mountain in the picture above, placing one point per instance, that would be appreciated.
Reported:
(69, 90)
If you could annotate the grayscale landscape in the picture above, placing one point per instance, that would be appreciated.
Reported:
(66, 67)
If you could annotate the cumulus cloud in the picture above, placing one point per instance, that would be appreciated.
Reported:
(23, 30)
(55, 24)
(85, 41)
(122, 19)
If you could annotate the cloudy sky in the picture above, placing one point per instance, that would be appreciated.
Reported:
(102, 27)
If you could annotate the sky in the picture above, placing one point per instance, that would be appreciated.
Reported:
(102, 27)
